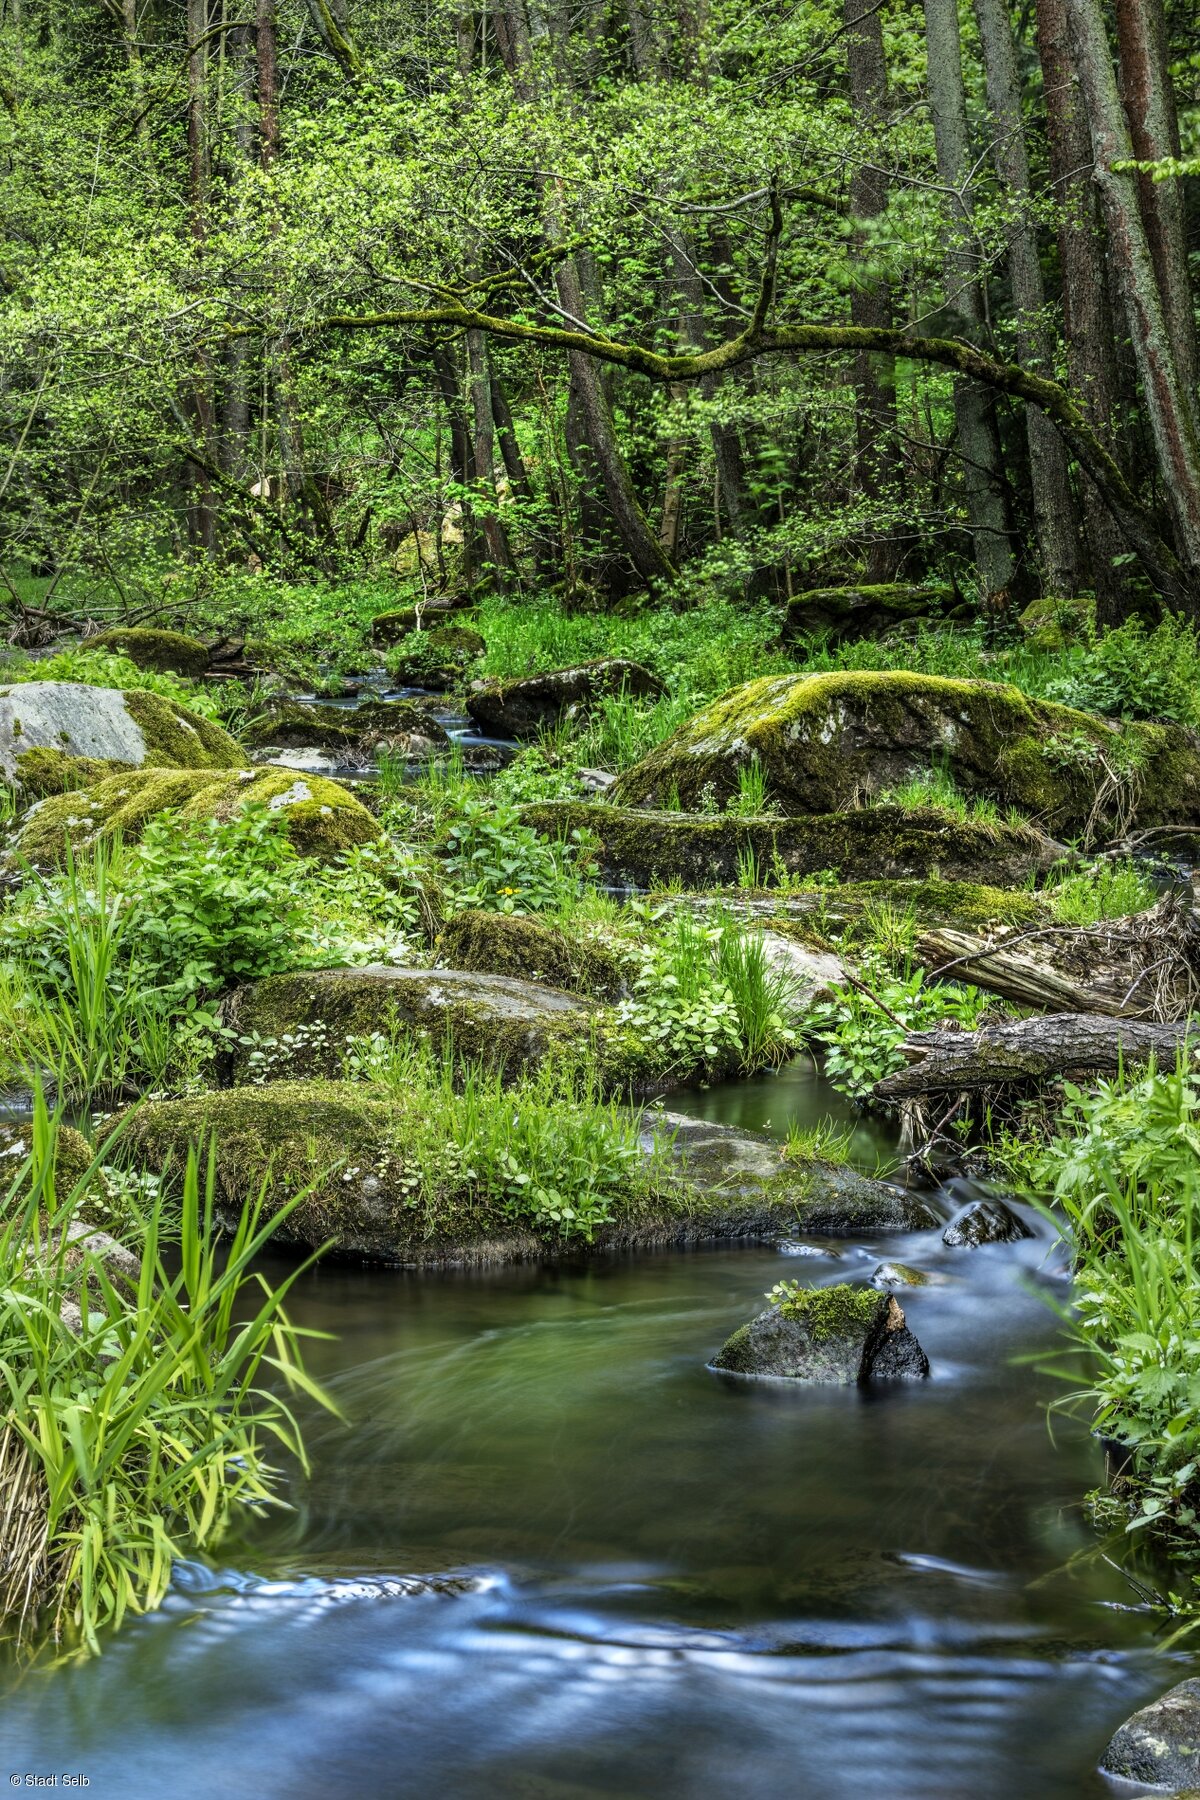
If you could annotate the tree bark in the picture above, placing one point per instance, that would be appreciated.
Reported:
(1027, 1050)
(1171, 410)
(974, 406)
(1086, 303)
(462, 460)
(879, 464)
(1053, 501)
(495, 537)
(202, 519)
(1154, 130)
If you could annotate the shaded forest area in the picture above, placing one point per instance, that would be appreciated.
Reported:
(597, 300)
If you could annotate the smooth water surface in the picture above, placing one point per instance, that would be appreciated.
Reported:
(667, 1584)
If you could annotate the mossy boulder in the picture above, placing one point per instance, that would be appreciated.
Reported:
(166, 652)
(435, 659)
(841, 1335)
(107, 726)
(826, 742)
(43, 772)
(533, 703)
(389, 627)
(640, 849)
(969, 905)
(1052, 624)
(323, 819)
(1160, 1744)
(298, 1024)
(855, 612)
(352, 1145)
(303, 724)
(500, 944)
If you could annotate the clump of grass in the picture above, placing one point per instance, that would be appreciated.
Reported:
(135, 1423)
(936, 790)
(826, 1142)
(750, 801)
(1103, 890)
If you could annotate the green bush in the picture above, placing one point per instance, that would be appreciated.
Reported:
(493, 862)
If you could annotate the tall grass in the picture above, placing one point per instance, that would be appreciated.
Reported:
(137, 1422)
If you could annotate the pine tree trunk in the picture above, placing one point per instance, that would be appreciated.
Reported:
(974, 407)
(1053, 501)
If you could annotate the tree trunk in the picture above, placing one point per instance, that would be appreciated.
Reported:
(1086, 304)
(974, 406)
(1027, 1050)
(202, 522)
(462, 460)
(880, 467)
(1053, 502)
(495, 538)
(1154, 129)
(1170, 407)
(727, 451)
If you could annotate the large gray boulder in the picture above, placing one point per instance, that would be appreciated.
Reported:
(68, 718)
(528, 705)
(841, 1335)
(827, 742)
(1161, 1743)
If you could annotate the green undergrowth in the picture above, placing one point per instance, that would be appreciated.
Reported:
(144, 1390)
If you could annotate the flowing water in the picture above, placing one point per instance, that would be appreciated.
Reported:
(640, 1578)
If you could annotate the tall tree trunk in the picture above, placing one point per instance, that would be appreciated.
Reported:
(1171, 408)
(462, 460)
(495, 537)
(974, 407)
(1053, 502)
(880, 466)
(235, 399)
(1154, 131)
(727, 451)
(202, 520)
(1086, 304)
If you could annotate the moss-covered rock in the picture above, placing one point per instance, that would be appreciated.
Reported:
(1051, 624)
(969, 905)
(44, 771)
(497, 944)
(854, 612)
(533, 703)
(352, 1145)
(640, 849)
(827, 741)
(841, 1335)
(389, 627)
(435, 659)
(303, 724)
(166, 652)
(504, 1023)
(323, 819)
(107, 726)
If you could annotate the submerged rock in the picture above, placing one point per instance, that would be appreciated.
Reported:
(322, 818)
(170, 652)
(1160, 1744)
(645, 849)
(856, 612)
(826, 741)
(526, 948)
(123, 730)
(841, 1335)
(985, 1222)
(530, 704)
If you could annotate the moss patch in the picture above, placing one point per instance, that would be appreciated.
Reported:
(178, 738)
(850, 612)
(47, 771)
(642, 849)
(323, 819)
(833, 1312)
(496, 944)
(827, 741)
(164, 651)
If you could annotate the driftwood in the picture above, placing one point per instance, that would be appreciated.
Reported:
(1027, 1050)
(1143, 967)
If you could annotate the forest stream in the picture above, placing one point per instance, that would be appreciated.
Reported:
(553, 1554)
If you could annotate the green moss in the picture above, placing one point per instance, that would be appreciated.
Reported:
(863, 611)
(497, 944)
(178, 738)
(45, 771)
(644, 849)
(945, 902)
(1051, 624)
(323, 819)
(827, 741)
(833, 1312)
(164, 651)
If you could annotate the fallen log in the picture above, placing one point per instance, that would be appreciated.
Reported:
(1020, 973)
(1028, 1050)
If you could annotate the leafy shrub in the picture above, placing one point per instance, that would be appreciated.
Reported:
(1105, 890)
(861, 1032)
(1134, 673)
(705, 994)
(494, 862)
